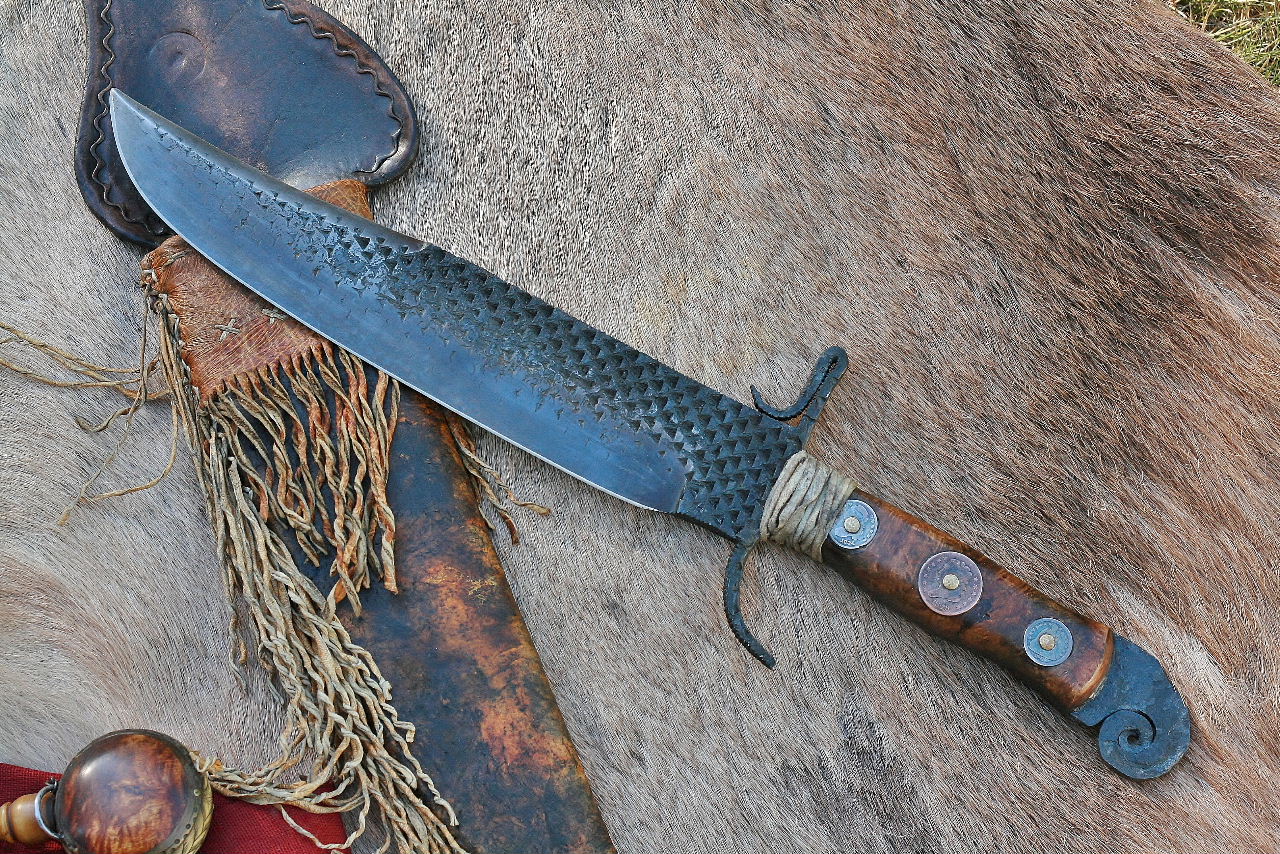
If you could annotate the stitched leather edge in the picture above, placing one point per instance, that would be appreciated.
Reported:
(346, 44)
(296, 12)
(103, 75)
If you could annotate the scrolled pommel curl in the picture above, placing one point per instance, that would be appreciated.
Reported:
(1143, 724)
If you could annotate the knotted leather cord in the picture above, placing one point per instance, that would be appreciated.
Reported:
(489, 480)
(805, 502)
(126, 381)
(338, 705)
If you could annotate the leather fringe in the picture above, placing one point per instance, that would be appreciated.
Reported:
(323, 437)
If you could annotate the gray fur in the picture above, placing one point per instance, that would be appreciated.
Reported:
(1047, 235)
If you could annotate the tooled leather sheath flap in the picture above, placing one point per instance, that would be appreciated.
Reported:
(278, 83)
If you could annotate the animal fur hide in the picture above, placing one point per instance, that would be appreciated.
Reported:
(1048, 235)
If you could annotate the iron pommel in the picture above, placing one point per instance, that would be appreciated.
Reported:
(1144, 726)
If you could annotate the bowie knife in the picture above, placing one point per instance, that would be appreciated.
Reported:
(638, 429)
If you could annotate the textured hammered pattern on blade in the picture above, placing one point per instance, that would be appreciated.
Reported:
(730, 452)
(503, 358)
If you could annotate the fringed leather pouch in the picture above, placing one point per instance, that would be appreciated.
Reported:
(320, 473)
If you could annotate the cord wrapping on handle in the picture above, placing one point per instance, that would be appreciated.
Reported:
(805, 502)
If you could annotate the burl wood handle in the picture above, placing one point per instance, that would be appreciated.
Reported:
(956, 593)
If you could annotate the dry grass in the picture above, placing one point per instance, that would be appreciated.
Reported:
(1249, 27)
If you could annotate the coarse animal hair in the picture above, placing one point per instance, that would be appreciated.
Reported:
(1047, 234)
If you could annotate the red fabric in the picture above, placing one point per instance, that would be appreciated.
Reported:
(238, 827)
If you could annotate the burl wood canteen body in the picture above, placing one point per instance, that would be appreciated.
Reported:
(129, 792)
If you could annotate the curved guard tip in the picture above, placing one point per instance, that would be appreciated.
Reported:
(826, 372)
(1144, 727)
(733, 607)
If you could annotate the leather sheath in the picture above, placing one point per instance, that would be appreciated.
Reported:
(452, 641)
(280, 84)
(285, 87)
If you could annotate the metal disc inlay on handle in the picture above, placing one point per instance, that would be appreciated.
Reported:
(950, 583)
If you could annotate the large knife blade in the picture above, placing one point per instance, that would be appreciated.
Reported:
(636, 428)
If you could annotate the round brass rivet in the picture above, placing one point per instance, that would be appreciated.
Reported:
(1047, 641)
(951, 581)
(852, 524)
